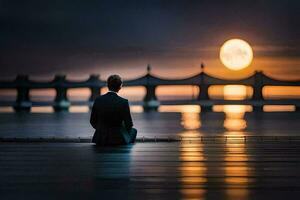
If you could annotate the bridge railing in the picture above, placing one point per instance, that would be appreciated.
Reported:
(257, 81)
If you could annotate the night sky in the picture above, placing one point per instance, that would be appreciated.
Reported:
(83, 37)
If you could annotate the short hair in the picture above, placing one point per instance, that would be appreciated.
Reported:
(114, 82)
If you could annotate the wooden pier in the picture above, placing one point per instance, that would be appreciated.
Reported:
(231, 169)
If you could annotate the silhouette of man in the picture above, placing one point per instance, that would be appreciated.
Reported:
(111, 116)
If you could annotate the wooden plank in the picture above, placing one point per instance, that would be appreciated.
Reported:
(150, 170)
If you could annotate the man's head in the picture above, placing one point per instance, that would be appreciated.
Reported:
(114, 83)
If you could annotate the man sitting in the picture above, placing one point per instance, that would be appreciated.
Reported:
(111, 117)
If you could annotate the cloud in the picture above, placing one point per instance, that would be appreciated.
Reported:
(277, 50)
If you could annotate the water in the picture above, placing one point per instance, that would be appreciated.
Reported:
(179, 122)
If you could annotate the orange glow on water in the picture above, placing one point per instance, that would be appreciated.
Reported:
(236, 169)
(234, 119)
(180, 108)
(42, 109)
(193, 170)
(136, 109)
(79, 109)
(235, 110)
(193, 194)
(190, 120)
(234, 116)
(279, 108)
(235, 124)
(6, 109)
(232, 109)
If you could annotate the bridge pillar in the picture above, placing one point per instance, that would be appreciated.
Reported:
(61, 102)
(203, 94)
(95, 92)
(23, 102)
(150, 100)
(204, 98)
(95, 89)
(258, 91)
(297, 108)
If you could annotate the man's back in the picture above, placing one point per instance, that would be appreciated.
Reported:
(112, 119)
(110, 110)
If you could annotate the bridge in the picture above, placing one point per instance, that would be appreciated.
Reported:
(257, 81)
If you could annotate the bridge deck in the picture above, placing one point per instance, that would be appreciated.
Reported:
(162, 170)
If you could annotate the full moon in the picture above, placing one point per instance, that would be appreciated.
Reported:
(236, 54)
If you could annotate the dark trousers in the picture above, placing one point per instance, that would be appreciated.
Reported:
(114, 136)
(132, 135)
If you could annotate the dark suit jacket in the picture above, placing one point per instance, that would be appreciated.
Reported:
(112, 120)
